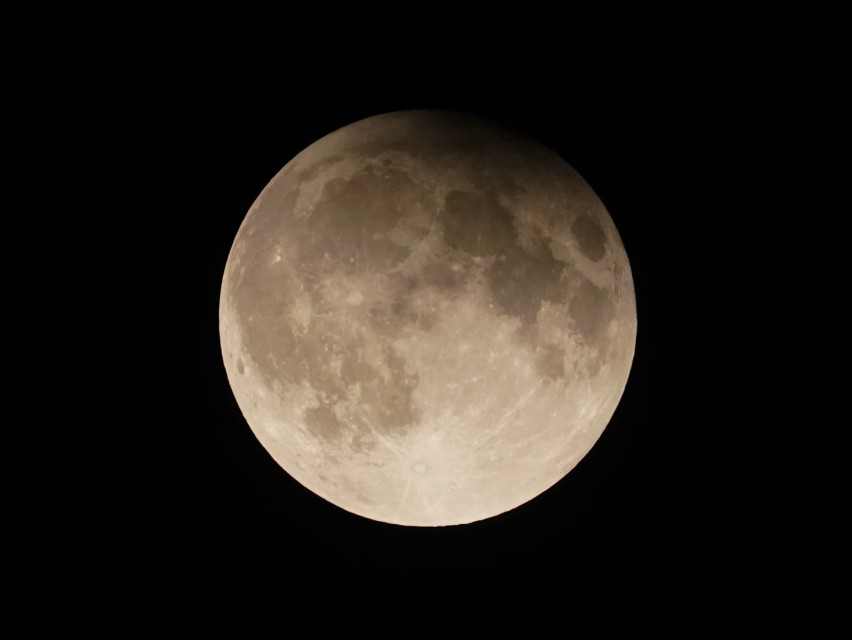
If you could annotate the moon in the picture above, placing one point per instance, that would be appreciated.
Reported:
(427, 319)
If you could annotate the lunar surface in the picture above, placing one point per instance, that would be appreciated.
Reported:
(427, 319)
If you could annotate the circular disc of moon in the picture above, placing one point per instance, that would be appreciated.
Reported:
(427, 319)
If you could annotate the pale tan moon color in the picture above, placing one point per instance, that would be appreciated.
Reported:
(427, 319)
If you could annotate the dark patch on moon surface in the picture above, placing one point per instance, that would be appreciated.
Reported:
(282, 354)
(322, 421)
(523, 279)
(590, 236)
(550, 362)
(591, 309)
(383, 403)
(440, 275)
(362, 242)
(476, 224)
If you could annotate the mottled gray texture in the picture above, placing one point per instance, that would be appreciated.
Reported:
(426, 319)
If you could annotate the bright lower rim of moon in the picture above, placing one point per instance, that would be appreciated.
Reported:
(427, 319)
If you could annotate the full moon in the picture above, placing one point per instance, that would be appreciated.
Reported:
(427, 319)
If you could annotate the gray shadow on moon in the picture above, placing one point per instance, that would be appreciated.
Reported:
(426, 319)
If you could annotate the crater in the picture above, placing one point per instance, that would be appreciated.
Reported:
(240, 366)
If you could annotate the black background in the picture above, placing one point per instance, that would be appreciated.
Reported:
(649, 531)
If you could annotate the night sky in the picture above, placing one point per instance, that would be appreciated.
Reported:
(212, 538)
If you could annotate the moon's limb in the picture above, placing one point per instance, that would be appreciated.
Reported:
(427, 320)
